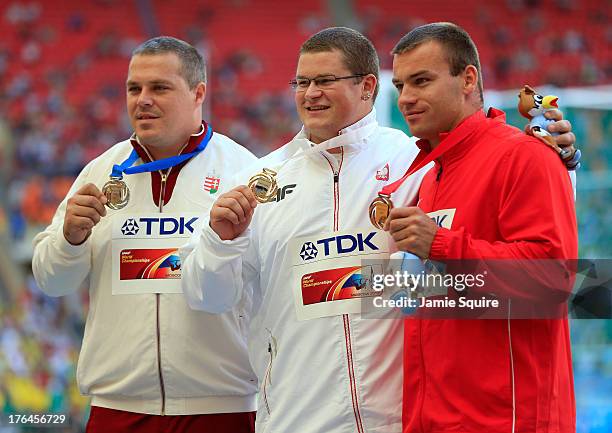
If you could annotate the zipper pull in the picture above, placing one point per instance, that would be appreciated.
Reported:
(336, 177)
(162, 189)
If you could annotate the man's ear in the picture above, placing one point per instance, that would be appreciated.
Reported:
(200, 93)
(470, 79)
(369, 84)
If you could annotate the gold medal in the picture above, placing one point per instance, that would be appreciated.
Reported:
(264, 185)
(117, 193)
(379, 210)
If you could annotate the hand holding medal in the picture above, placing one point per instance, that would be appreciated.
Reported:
(83, 211)
(232, 212)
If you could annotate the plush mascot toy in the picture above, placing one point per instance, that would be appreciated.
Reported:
(533, 106)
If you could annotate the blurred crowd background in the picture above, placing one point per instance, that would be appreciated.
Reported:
(62, 80)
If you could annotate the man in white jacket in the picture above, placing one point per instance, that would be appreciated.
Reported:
(149, 362)
(323, 365)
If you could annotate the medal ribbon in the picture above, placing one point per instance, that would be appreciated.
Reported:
(457, 135)
(161, 164)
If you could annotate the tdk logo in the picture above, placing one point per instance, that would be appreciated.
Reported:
(129, 227)
(309, 251)
(159, 226)
(340, 244)
(439, 220)
(284, 191)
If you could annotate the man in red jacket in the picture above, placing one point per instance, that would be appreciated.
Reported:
(500, 195)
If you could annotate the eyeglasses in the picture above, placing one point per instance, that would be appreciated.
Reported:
(322, 82)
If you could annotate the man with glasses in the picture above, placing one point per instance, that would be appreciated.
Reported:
(296, 246)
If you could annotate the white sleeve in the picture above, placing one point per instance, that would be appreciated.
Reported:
(216, 273)
(58, 266)
(572, 175)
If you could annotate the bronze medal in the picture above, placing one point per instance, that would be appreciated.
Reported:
(264, 185)
(117, 193)
(379, 210)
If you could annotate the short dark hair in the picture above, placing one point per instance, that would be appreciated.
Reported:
(193, 67)
(458, 44)
(360, 56)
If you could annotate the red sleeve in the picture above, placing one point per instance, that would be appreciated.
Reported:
(536, 220)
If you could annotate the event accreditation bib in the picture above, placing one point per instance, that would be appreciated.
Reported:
(144, 251)
(328, 277)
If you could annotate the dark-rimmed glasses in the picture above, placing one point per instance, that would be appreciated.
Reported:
(322, 82)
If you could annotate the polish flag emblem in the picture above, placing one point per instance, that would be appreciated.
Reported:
(383, 173)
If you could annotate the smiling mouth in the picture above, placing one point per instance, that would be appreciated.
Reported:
(413, 114)
(317, 108)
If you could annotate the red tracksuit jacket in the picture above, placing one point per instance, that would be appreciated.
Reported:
(513, 200)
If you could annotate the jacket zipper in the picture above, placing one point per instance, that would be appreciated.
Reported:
(420, 325)
(267, 378)
(438, 177)
(162, 193)
(162, 189)
(345, 317)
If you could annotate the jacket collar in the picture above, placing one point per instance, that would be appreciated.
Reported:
(189, 146)
(475, 122)
(353, 137)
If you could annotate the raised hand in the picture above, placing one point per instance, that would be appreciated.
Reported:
(231, 214)
(84, 210)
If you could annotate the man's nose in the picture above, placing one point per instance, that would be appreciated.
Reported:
(312, 91)
(144, 98)
(407, 97)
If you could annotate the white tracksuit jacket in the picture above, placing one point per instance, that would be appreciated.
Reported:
(150, 353)
(339, 374)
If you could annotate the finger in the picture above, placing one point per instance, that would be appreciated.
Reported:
(89, 201)
(565, 140)
(575, 159)
(399, 224)
(403, 234)
(553, 114)
(89, 189)
(225, 213)
(80, 223)
(244, 203)
(234, 206)
(415, 224)
(403, 212)
(248, 193)
(86, 212)
(560, 126)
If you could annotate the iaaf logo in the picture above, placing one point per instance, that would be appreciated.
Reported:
(284, 191)
(341, 244)
(161, 226)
